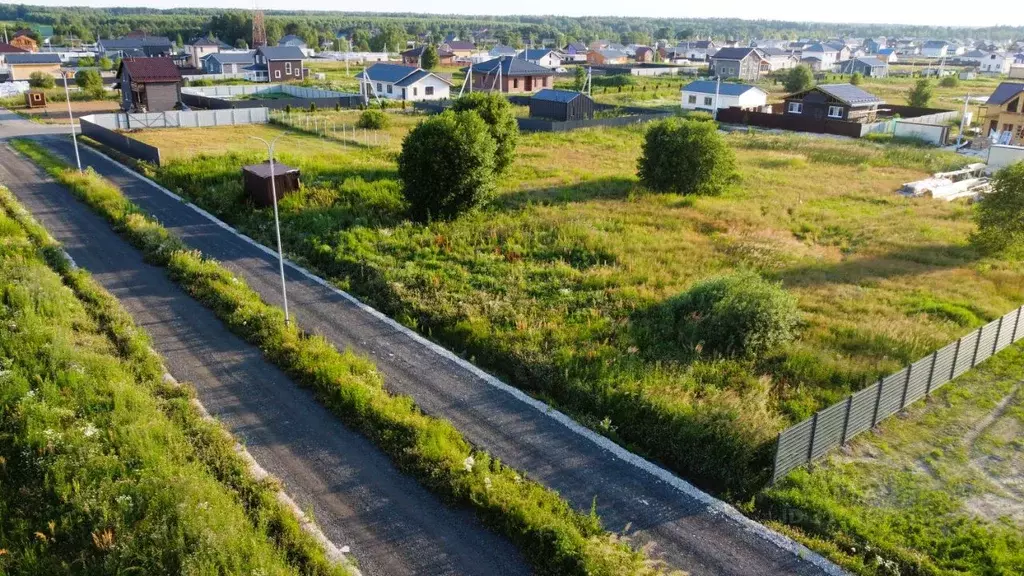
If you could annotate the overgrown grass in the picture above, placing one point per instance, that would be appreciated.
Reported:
(557, 539)
(103, 469)
(546, 286)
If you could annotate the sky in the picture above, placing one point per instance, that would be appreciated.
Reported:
(922, 12)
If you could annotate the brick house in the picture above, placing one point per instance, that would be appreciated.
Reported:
(510, 75)
(150, 84)
(607, 56)
(644, 54)
(276, 64)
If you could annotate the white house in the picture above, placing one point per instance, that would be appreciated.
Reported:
(936, 49)
(828, 54)
(542, 57)
(398, 82)
(700, 50)
(996, 63)
(887, 55)
(700, 95)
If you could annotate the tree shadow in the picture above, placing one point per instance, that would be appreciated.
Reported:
(615, 188)
(911, 261)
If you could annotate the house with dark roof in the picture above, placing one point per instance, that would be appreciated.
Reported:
(698, 50)
(414, 56)
(23, 39)
(150, 46)
(887, 55)
(867, 66)
(561, 105)
(829, 53)
(1004, 111)
(542, 57)
(607, 56)
(399, 82)
(834, 102)
(21, 66)
(936, 49)
(510, 75)
(575, 52)
(198, 48)
(459, 48)
(226, 62)
(747, 64)
(501, 50)
(149, 84)
(292, 40)
(702, 95)
(779, 59)
(276, 64)
(6, 49)
(644, 54)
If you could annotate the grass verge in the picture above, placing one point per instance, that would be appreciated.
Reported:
(103, 468)
(554, 537)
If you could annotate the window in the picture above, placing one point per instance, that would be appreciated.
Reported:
(835, 111)
(708, 100)
(288, 68)
(429, 90)
(415, 91)
(389, 88)
(692, 99)
(796, 108)
(379, 87)
(277, 73)
(515, 82)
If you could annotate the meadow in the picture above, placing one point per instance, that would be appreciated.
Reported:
(104, 467)
(558, 285)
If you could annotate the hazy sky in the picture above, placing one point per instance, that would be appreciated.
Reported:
(928, 12)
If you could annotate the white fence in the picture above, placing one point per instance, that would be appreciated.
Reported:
(1000, 156)
(193, 119)
(244, 90)
(932, 133)
(225, 76)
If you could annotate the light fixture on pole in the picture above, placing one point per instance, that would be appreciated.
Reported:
(277, 221)
(71, 118)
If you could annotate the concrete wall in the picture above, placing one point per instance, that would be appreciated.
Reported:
(1002, 156)
(932, 133)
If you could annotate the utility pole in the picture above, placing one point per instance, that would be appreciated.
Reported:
(718, 88)
(277, 221)
(71, 118)
(963, 121)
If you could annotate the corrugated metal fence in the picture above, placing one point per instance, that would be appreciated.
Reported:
(191, 119)
(834, 426)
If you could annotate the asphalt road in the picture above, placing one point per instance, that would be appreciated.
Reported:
(390, 523)
(687, 531)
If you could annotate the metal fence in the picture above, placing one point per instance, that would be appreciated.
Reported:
(192, 119)
(248, 90)
(834, 426)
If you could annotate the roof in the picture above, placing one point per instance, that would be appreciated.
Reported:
(48, 58)
(886, 51)
(577, 46)
(848, 94)
(1003, 93)
(511, 67)
(414, 52)
(819, 47)
(231, 57)
(935, 44)
(537, 53)
(397, 74)
(612, 54)
(204, 41)
(134, 42)
(460, 45)
(281, 52)
(703, 44)
(726, 88)
(262, 170)
(150, 70)
(291, 40)
(733, 53)
(866, 61)
(502, 49)
(837, 46)
(809, 58)
(8, 49)
(975, 54)
(551, 95)
(774, 51)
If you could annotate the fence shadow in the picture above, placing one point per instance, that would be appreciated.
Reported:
(587, 190)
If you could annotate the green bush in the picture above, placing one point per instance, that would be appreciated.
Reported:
(90, 82)
(373, 119)
(740, 314)
(951, 81)
(430, 58)
(856, 79)
(686, 156)
(41, 80)
(613, 80)
(86, 61)
(105, 63)
(799, 78)
(921, 94)
(1000, 214)
(497, 112)
(447, 165)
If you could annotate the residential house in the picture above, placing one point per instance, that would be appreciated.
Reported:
(873, 45)
(459, 48)
(561, 105)
(510, 75)
(139, 46)
(149, 84)
(399, 82)
(828, 53)
(699, 50)
(542, 57)
(936, 49)
(292, 40)
(907, 47)
(201, 47)
(6, 49)
(976, 56)
(575, 52)
(1004, 111)
(21, 39)
(834, 102)
(870, 67)
(413, 57)
(276, 64)
(812, 62)
(500, 51)
(22, 65)
(779, 59)
(607, 57)
(748, 64)
(702, 94)
(226, 62)
(644, 54)
(996, 63)
(887, 55)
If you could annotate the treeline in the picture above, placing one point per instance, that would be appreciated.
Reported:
(372, 31)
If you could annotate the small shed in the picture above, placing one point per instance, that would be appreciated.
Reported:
(257, 182)
(561, 105)
(35, 99)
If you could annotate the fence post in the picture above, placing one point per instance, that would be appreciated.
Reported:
(956, 354)
(778, 452)
(878, 400)
(814, 430)
(1016, 324)
(846, 418)
(977, 344)
(931, 374)
(906, 386)
(995, 343)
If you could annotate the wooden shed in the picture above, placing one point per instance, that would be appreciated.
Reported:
(35, 99)
(256, 179)
(561, 105)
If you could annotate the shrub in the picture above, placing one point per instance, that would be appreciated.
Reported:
(429, 59)
(579, 78)
(613, 80)
(89, 81)
(698, 116)
(949, 81)
(41, 80)
(799, 79)
(856, 79)
(921, 94)
(686, 156)
(496, 111)
(105, 63)
(1000, 215)
(738, 314)
(447, 165)
(373, 119)
(86, 61)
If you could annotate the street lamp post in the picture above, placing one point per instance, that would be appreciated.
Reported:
(71, 118)
(277, 222)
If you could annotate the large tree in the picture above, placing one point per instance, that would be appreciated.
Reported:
(1000, 214)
